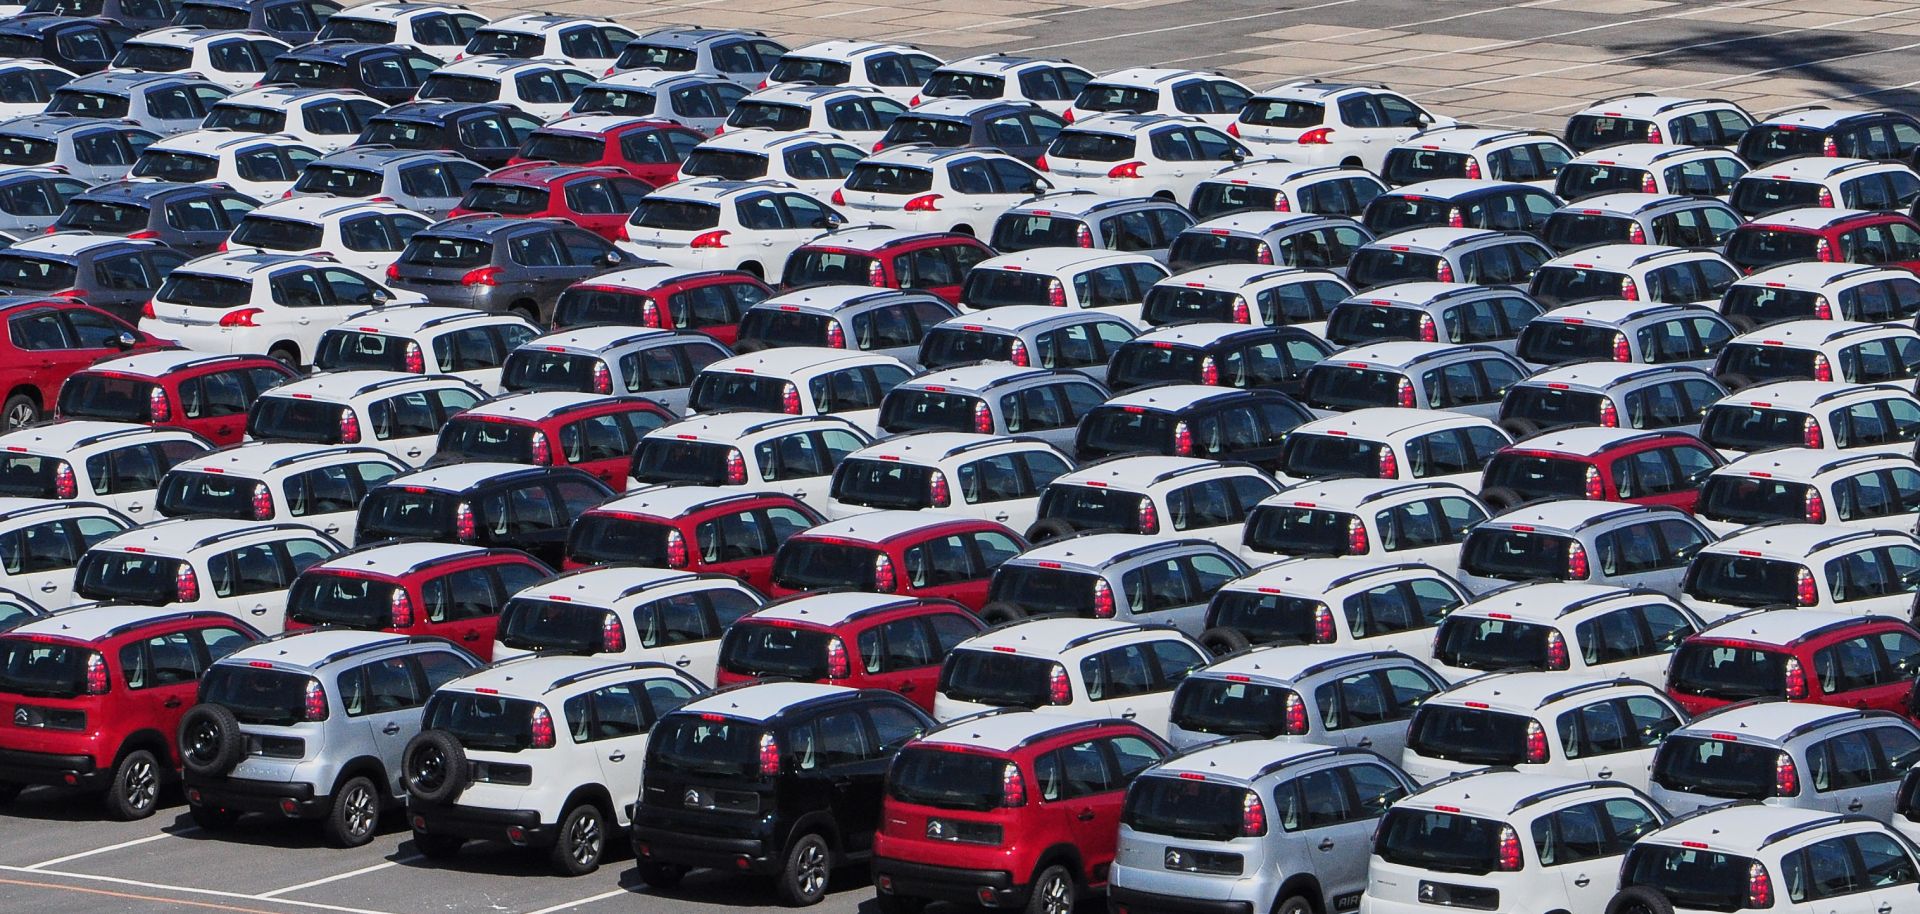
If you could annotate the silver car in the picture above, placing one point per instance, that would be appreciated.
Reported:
(1326, 694)
(1125, 576)
(1594, 542)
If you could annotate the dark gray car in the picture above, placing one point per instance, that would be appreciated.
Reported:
(193, 218)
(494, 263)
(90, 149)
(1020, 129)
(116, 275)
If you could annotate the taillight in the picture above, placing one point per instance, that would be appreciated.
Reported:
(1281, 204)
(542, 449)
(64, 483)
(1082, 236)
(400, 608)
(1646, 183)
(1013, 786)
(1653, 135)
(650, 314)
(1018, 354)
(1509, 849)
(1823, 252)
(1102, 599)
(1628, 290)
(1233, 130)
(1263, 254)
(1404, 394)
(1056, 294)
(541, 728)
(839, 665)
(262, 502)
(1059, 690)
(1125, 170)
(1759, 886)
(602, 378)
(1456, 218)
(1323, 632)
(316, 702)
(1636, 234)
(1429, 331)
(714, 239)
(1786, 776)
(769, 755)
(96, 673)
(1829, 148)
(790, 399)
(1577, 568)
(1826, 197)
(1796, 679)
(838, 198)
(1810, 433)
(1822, 309)
(146, 310)
(1356, 537)
(1296, 715)
(884, 580)
(1473, 168)
(1804, 591)
(159, 408)
(464, 528)
(1041, 164)
(613, 638)
(1148, 518)
(1594, 491)
(1537, 739)
(241, 318)
(1822, 369)
(1209, 371)
(1183, 439)
(416, 361)
(349, 425)
(1241, 313)
(186, 584)
(393, 273)
(875, 275)
(485, 276)
(677, 556)
(1556, 651)
(923, 204)
(836, 335)
(1253, 816)
(1443, 272)
(1609, 414)
(1621, 351)
(1320, 136)
(982, 419)
(937, 490)
(736, 467)
(1816, 507)
(1389, 464)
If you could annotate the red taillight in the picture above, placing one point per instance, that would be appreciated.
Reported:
(146, 310)
(1356, 537)
(1509, 857)
(709, 239)
(1804, 591)
(650, 315)
(884, 580)
(1577, 567)
(790, 399)
(1083, 236)
(1810, 433)
(1253, 816)
(241, 318)
(875, 275)
(186, 584)
(1102, 599)
(1823, 252)
(838, 198)
(1456, 218)
(1443, 272)
(1826, 197)
(938, 491)
(1796, 679)
(1296, 715)
(1556, 651)
(416, 362)
(1323, 632)
(1241, 313)
(1822, 309)
(262, 502)
(1646, 183)
(541, 728)
(1628, 290)
(64, 484)
(923, 204)
(1429, 331)
(1125, 170)
(316, 701)
(393, 273)
(1786, 776)
(1320, 136)
(1594, 492)
(1183, 439)
(1148, 517)
(1018, 354)
(1609, 414)
(836, 335)
(1233, 130)
(736, 468)
(1822, 369)
(1829, 148)
(143, 235)
(1636, 234)
(542, 449)
(1389, 464)
(1059, 690)
(982, 419)
(1405, 394)
(1537, 736)
(485, 276)
(839, 665)
(464, 527)
(1759, 886)
(96, 674)
(1056, 294)
(677, 556)
(1209, 371)
(158, 406)
(1013, 786)
(1653, 135)
(400, 608)
(1816, 508)
(1473, 167)
(1263, 254)
(1621, 351)
(349, 425)
(1281, 204)
(769, 755)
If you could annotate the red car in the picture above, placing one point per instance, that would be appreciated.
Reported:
(95, 697)
(1826, 235)
(976, 812)
(696, 528)
(1800, 655)
(204, 394)
(667, 298)
(911, 553)
(1601, 464)
(431, 589)
(596, 199)
(48, 339)
(650, 150)
(858, 640)
(555, 428)
(887, 258)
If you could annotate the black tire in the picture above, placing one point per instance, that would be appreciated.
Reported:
(20, 412)
(662, 876)
(802, 880)
(355, 816)
(210, 740)
(134, 792)
(1221, 641)
(1051, 528)
(212, 818)
(1501, 498)
(1735, 381)
(1639, 899)
(582, 841)
(434, 767)
(286, 355)
(10, 792)
(1520, 428)
(1001, 612)
(1052, 892)
(437, 847)
(1296, 904)
(899, 904)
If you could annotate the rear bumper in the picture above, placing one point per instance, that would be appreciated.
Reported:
(987, 888)
(654, 844)
(245, 795)
(21, 767)
(1133, 901)
(519, 827)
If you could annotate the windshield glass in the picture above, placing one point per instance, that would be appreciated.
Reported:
(1755, 195)
(758, 649)
(1473, 735)
(101, 396)
(675, 215)
(1292, 114)
(1557, 342)
(152, 58)
(1344, 387)
(1753, 248)
(1592, 131)
(25, 150)
(80, 103)
(433, 251)
(483, 439)
(460, 89)
(777, 327)
(723, 163)
(42, 668)
(1192, 250)
(989, 288)
(582, 306)
(876, 178)
(1726, 671)
(803, 564)
(996, 678)
(263, 697)
(1090, 508)
(1118, 431)
(815, 267)
(1298, 530)
(355, 29)
(1185, 808)
(345, 350)
(909, 409)
(607, 100)
(131, 577)
(769, 116)
(402, 133)
(1307, 456)
(933, 131)
(1567, 231)
(1025, 231)
(1172, 304)
(1110, 97)
(319, 598)
(1398, 212)
(1381, 266)
(669, 460)
(1754, 499)
(1139, 364)
(204, 290)
(184, 492)
(308, 73)
(1763, 143)
(816, 70)
(256, 231)
(637, 56)
(1266, 618)
(563, 148)
(1763, 363)
(33, 274)
(596, 539)
(181, 167)
(959, 84)
(1689, 877)
(701, 743)
(946, 779)
(1764, 304)
(1515, 555)
(339, 181)
(719, 391)
(1538, 475)
(485, 722)
(1352, 324)
(1585, 179)
(1207, 704)
(1412, 166)
(30, 475)
(394, 512)
(1042, 591)
(1479, 643)
(537, 369)
(1220, 198)
(1443, 842)
(945, 346)
(1743, 580)
(245, 119)
(1091, 146)
(1556, 286)
(1716, 767)
(1753, 428)
(506, 199)
(543, 625)
(290, 419)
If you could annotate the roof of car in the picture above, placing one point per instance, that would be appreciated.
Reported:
(1742, 828)
(314, 647)
(1198, 333)
(1814, 275)
(217, 140)
(1618, 257)
(125, 81)
(1346, 492)
(341, 385)
(180, 535)
(881, 526)
(1260, 223)
(244, 262)
(1059, 259)
(395, 559)
(1097, 550)
(1522, 691)
(838, 48)
(605, 585)
(1590, 440)
(1082, 202)
(596, 338)
(540, 674)
(1290, 662)
(870, 237)
(1234, 277)
(830, 608)
(156, 363)
(602, 124)
(534, 405)
(1172, 396)
(91, 623)
(538, 22)
(1135, 471)
(1623, 203)
(382, 156)
(1816, 332)
(652, 277)
(709, 190)
(341, 51)
(1147, 76)
(1617, 311)
(458, 477)
(1313, 577)
(976, 377)
(1020, 317)
(831, 299)
(133, 191)
(1495, 793)
(1315, 88)
(72, 434)
(67, 244)
(1816, 116)
(1450, 188)
(254, 457)
(755, 139)
(805, 94)
(670, 501)
(276, 96)
(936, 446)
(1814, 168)
(1802, 395)
(1796, 542)
(489, 67)
(1546, 601)
(416, 318)
(1800, 463)
(962, 108)
(186, 36)
(1565, 514)
(693, 34)
(798, 361)
(438, 110)
(1242, 760)
(1809, 218)
(1641, 155)
(314, 209)
(1467, 138)
(393, 10)
(646, 80)
(45, 126)
(733, 426)
(1646, 104)
(1602, 375)
(1045, 636)
(1435, 237)
(762, 701)
(1394, 352)
(1770, 719)
(1379, 421)
(1005, 731)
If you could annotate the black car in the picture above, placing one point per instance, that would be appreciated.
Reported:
(482, 504)
(80, 45)
(486, 133)
(1191, 420)
(389, 73)
(139, 15)
(1020, 129)
(776, 779)
(295, 22)
(192, 218)
(494, 263)
(1220, 355)
(1462, 204)
(1815, 130)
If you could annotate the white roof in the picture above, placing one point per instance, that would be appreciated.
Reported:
(932, 447)
(594, 339)
(533, 404)
(314, 209)
(975, 377)
(1239, 277)
(1563, 515)
(255, 457)
(1345, 493)
(1609, 310)
(1044, 636)
(826, 299)
(457, 477)
(1622, 204)
(313, 646)
(763, 700)
(1060, 260)
(65, 436)
(1798, 542)
(1742, 829)
(1376, 422)
(1305, 577)
(604, 585)
(1434, 237)
(760, 140)
(1492, 793)
(1242, 760)
(1803, 464)
(1131, 472)
(799, 361)
(180, 535)
(63, 243)
(1013, 318)
(1286, 662)
(845, 48)
(1582, 440)
(880, 526)
(89, 623)
(1148, 76)
(1813, 333)
(534, 675)
(1466, 138)
(1449, 187)
(1800, 395)
(1543, 601)
(398, 558)
(1519, 691)
(1770, 719)
(1091, 551)
(1807, 217)
(1615, 257)
(663, 501)
(1390, 353)
(414, 318)
(1598, 375)
(731, 427)
(341, 385)
(147, 364)
(1814, 275)
(1810, 168)
(1642, 155)
(1646, 106)
(829, 609)
(218, 141)
(1260, 223)
(1171, 396)
(1000, 732)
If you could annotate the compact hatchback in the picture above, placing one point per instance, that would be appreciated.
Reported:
(481, 503)
(900, 552)
(698, 528)
(204, 394)
(861, 641)
(420, 589)
(1822, 657)
(1795, 756)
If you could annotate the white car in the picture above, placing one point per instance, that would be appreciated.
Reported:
(1282, 186)
(1824, 181)
(232, 58)
(591, 42)
(1111, 282)
(1635, 272)
(1050, 83)
(857, 114)
(1522, 719)
(1383, 519)
(1654, 168)
(815, 161)
(644, 615)
(543, 88)
(1805, 566)
(1455, 151)
(988, 476)
(59, 532)
(922, 188)
(1332, 123)
(273, 303)
(801, 381)
(1560, 626)
(440, 29)
(1140, 155)
(467, 344)
(396, 412)
(1154, 495)
(27, 84)
(1752, 852)
(899, 70)
(1068, 667)
(325, 119)
(1247, 293)
(363, 235)
(314, 484)
(1210, 97)
(712, 224)
(699, 100)
(262, 166)
(115, 464)
(1849, 418)
(1643, 117)
(781, 453)
(239, 567)
(1360, 605)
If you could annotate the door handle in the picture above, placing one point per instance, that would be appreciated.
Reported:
(684, 661)
(906, 687)
(617, 756)
(1604, 773)
(1366, 742)
(1855, 805)
(1128, 715)
(259, 610)
(1582, 881)
(470, 636)
(390, 729)
(1085, 815)
(1002, 517)
(414, 452)
(49, 587)
(330, 529)
(136, 509)
(171, 702)
(1326, 844)
(1885, 908)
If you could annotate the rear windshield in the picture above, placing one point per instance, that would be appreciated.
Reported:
(1109, 97)
(1764, 304)
(1443, 842)
(876, 178)
(479, 439)
(288, 419)
(245, 119)
(803, 564)
(507, 199)
(1335, 386)
(182, 167)
(318, 598)
(952, 83)
(1753, 195)
(1515, 555)
(815, 266)
(1220, 198)
(1538, 475)
(1206, 704)
(1566, 231)
(625, 102)
(99, 396)
(675, 215)
(1266, 618)
(1688, 877)
(869, 483)
(277, 234)
(402, 133)
(1109, 430)
(564, 148)
(1754, 428)
(769, 116)
(1476, 736)
(1298, 530)
(543, 625)
(946, 346)
(210, 16)
(25, 150)
(707, 744)
(1283, 112)
(759, 649)
(1089, 508)
(42, 668)
(1592, 131)
(1764, 143)
(1384, 266)
(668, 460)
(1555, 286)
(917, 409)
(1585, 179)
(81, 103)
(1491, 644)
(996, 678)
(538, 369)
(723, 163)
(1184, 808)
(1353, 324)
(778, 327)
(268, 698)
(1172, 304)
(345, 350)
(1721, 768)
(947, 779)
(1742, 580)
(1754, 248)
(1752, 499)
(19, 272)
(1763, 363)
(1192, 250)
(717, 391)
(582, 306)
(106, 217)
(602, 538)
(460, 89)
(1412, 166)
(1139, 364)
(155, 58)
(1042, 591)
(1307, 456)
(131, 577)
(933, 131)
(366, 31)
(391, 512)
(434, 251)
(817, 70)
(636, 56)
(204, 290)
(184, 492)
(1391, 213)
(1559, 342)
(29, 475)
(1025, 231)
(1727, 671)
(1091, 146)
(311, 74)
(1006, 288)
(339, 181)
(485, 722)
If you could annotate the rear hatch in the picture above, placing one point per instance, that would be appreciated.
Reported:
(44, 691)
(709, 774)
(272, 707)
(441, 260)
(193, 299)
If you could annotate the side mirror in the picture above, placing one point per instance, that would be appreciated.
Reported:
(613, 259)
(381, 296)
(125, 340)
(1041, 186)
(1236, 154)
(1423, 119)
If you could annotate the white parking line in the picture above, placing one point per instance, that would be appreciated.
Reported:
(359, 872)
(603, 896)
(211, 893)
(110, 848)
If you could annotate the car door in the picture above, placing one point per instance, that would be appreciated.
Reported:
(1843, 775)
(48, 347)
(38, 561)
(611, 722)
(463, 606)
(900, 656)
(1888, 874)
(834, 756)
(387, 705)
(1319, 811)
(162, 674)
